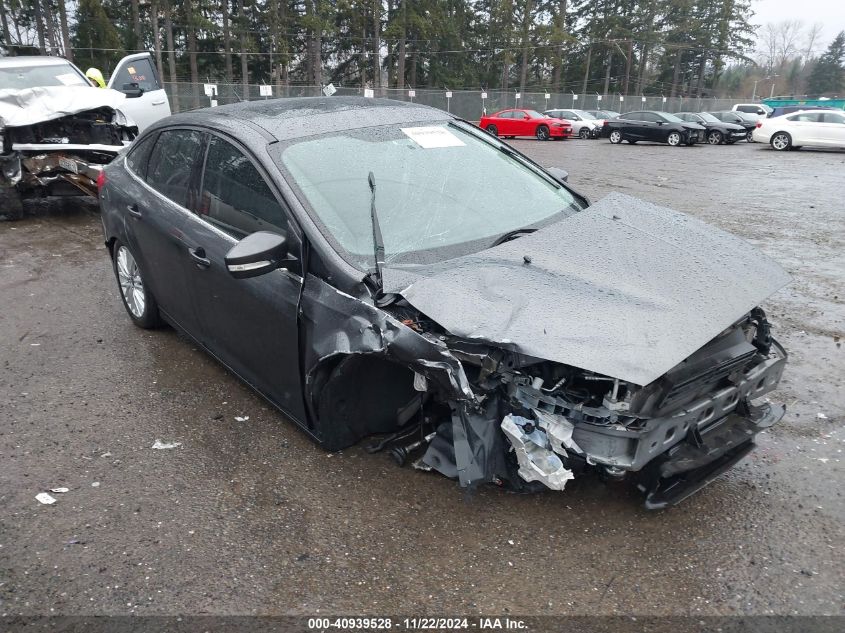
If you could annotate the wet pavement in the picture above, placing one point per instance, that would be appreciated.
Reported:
(249, 517)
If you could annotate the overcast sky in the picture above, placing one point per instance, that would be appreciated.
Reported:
(831, 13)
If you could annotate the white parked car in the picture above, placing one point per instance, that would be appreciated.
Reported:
(760, 110)
(584, 124)
(57, 130)
(818, 128)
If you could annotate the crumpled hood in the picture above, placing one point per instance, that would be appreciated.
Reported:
(35, 105)
(625, 288)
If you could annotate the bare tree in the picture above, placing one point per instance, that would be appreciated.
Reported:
(156, 36)
(65, 30)
(7, 36)
(813, 33)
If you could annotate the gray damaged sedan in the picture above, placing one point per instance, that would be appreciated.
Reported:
(384, 270)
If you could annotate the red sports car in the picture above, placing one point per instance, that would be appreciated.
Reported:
(511, 123)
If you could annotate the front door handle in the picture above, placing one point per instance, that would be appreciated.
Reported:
(198, 255)
(133, 210)
(159, 102)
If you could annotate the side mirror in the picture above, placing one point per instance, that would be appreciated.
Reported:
(257, 254)
(132, 91)
(558, 174)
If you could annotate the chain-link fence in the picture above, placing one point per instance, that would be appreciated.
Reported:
(467, 104)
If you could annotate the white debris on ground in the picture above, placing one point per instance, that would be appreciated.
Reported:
(59, 490)
(241, 418)
(163, 446)
(46, 499)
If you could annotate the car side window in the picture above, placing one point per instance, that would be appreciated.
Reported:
(138, 72)
(807, 117)
(833, 117)
(173, 162)
(648, 116)
(504, 115)
(138, 156)
(234, 195)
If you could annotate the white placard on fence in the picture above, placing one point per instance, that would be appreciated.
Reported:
(265, 90)
(329, 90)
(598, 97)
(210, 90)
(214, 103)
(575, 97)
(448, 94)
(412, 93)
(664, 99)
(643, 99)
(621, 98)
(368, 93)
(483, 95)
(519, 95)
(548, 96)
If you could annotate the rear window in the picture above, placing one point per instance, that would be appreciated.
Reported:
(138, 156)
(172, 163)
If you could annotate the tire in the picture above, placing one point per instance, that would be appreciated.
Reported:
(542, 133)
(715, 137)
(749, 137)
(492, 129)
(615, 137)
(632, 142)
(139, 302)
(674, 139)
(780, 141)
(11, 204)
(797, 147)
(584, 133)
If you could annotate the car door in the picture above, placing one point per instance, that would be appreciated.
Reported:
(505, 123)
(249, 324)
(633, 128)
(834, 128)
(806, 128)
(156, 203)
(153, 103)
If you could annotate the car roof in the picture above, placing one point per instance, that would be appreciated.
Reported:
(299, 117)
(31, 60)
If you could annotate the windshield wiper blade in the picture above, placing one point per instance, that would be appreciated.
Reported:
(510, 235)
(378, 241)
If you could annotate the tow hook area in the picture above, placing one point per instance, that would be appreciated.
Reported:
(705, 455)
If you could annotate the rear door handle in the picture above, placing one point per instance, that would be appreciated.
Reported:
(198, 255)
(133, 210)
(161, 102)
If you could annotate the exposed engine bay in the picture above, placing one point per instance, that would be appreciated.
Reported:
(558, 420)
(57, 155)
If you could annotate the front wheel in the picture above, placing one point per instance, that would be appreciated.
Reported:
(781, 141)
(714, 137)
(616, 137)
(542, 133)
(493, 129)
(674, 139)
(137, 298)
(583, 133)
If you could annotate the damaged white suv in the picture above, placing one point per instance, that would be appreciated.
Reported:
(57, 131)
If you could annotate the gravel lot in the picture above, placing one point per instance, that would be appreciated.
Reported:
(249, 517)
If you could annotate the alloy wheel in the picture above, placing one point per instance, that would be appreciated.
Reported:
(131, 283)
(781, 141)
(673, 139)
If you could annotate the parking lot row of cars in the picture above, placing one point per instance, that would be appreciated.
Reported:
(816, 127)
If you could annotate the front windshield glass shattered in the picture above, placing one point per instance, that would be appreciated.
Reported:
(442, 190)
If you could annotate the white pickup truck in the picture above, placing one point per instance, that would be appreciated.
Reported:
(57, 131)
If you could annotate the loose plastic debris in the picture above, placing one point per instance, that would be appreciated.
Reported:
(59, 490)
(159, 445)
(241, 418)
(537, 462)
(46, 499)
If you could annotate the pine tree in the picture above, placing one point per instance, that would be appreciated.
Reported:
(828, 74)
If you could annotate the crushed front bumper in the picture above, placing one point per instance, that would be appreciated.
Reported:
(696, 462)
